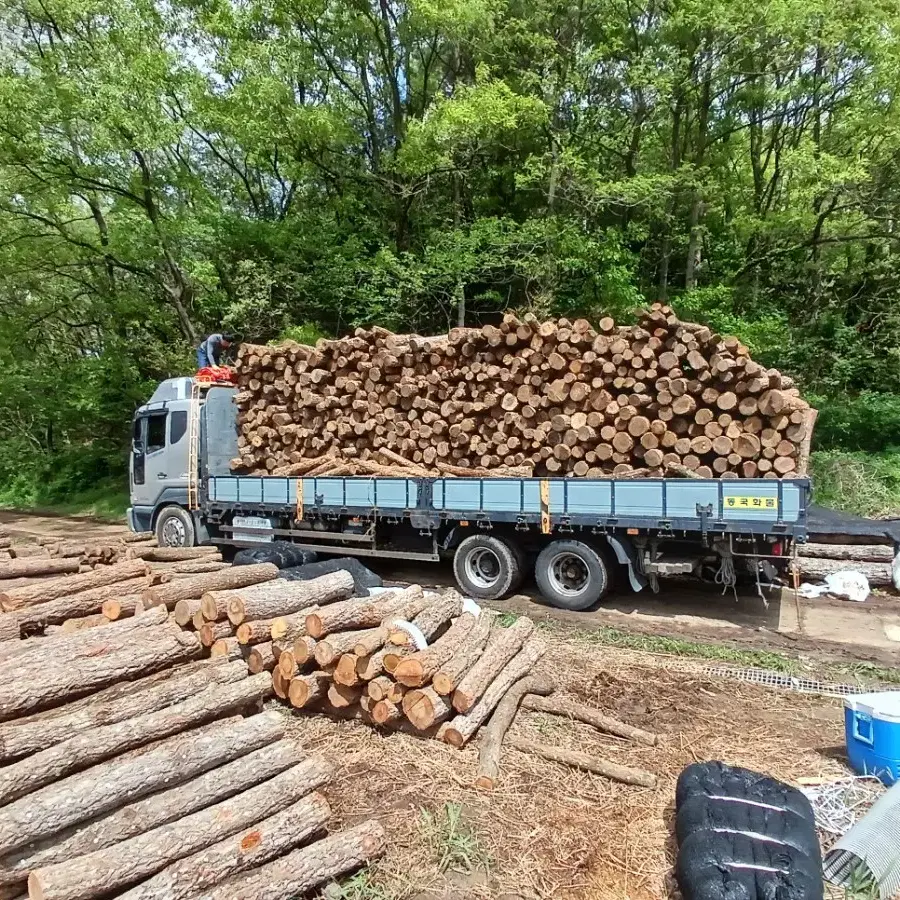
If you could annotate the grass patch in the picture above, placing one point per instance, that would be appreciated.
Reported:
(867, 484)
(106, 500)
(455, 843)
(649, 643)
(359, 887)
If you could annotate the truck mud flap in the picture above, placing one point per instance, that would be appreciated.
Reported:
(626, 555)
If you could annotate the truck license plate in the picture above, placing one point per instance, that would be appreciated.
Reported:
(252, 528)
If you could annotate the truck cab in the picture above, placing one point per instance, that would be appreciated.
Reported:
(160, 468)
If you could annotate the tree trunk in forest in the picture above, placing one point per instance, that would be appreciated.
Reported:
(299, 872)
(236, 773)
(130, 861)
(128, 778)
(268, 839)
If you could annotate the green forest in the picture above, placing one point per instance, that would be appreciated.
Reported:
(298, 168)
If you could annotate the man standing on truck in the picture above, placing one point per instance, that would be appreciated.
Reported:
(212, 350)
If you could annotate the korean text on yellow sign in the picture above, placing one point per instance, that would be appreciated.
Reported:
(742, 502)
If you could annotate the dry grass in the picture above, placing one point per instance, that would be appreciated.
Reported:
(548, 831)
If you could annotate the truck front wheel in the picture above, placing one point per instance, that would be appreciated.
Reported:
(486, 568)
(175, 528)
(571, 574)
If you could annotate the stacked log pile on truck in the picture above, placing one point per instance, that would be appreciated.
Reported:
(663, 397)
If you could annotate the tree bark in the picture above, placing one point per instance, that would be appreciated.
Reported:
(228, 579)
(425, 707)
(44, 591)
(173, 554)
(495, 730)
(557, 706)
(261, 658)
(28, 568)
(84, 603)
(879, 574)
(129, 861)
(364, 613)
(98, 744)
(285, 597)
(23, 738)
(578, 760)
(270, 838)
(305, 689)
(502, 646)
(127, 778)
(447, 678)
(83, 673)
(860, 552)
(255, 632)
(459, 729)
(300, 871)
(419, 668)
(184, 611)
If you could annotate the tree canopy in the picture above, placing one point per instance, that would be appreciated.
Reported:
(307, 166)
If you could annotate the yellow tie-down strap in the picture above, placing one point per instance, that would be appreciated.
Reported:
(299, 500)
(545, 507)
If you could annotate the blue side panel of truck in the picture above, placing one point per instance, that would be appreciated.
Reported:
(742, 506)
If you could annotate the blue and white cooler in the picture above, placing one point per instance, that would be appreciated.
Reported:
(872, 725)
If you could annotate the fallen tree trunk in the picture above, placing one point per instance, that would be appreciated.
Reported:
(261, 658)
(330, 649)
(425, 707)
(122, 607)
(129, 861)
(215, 631)
(84, 603)
(70, 626)
(184, 611)
(366, 613)
(502, 646)
(557, 706)
(172, 554)
(29, 567)
(419, 668)
(196, 793)
(255, 632)
(23, 738)
(300, 871)
(459, 729)
(198, 566)
(878, 574)
(447, 678)
(431, 620)
(84, 673)
(126, 779)
(44, 591)
(91, 747)
(136, 537)
(495, 730)
(286, 597)
(305, 689)
(270, 838)
(585, 762)
(860, 552)
(227, 580)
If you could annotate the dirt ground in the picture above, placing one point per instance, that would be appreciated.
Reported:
(549, 831)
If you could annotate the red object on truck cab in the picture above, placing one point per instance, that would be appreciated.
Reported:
(212, 375)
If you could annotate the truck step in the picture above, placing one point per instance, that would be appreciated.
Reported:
(673, 566)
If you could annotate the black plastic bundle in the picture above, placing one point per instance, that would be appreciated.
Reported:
(282, 553)
(744, 836)
(363, 578)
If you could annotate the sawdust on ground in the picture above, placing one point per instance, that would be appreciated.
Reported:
(546, 830)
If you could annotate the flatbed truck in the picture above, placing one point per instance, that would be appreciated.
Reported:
(577, 536)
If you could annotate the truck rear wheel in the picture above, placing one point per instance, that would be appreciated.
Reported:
(571, 574)
(175, 528)
(486, 568)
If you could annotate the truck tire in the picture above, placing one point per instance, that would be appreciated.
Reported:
(571, 575)
(486, 568)
(175, 528)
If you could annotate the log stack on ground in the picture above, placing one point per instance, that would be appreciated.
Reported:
(126, 768)
(662, 397)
